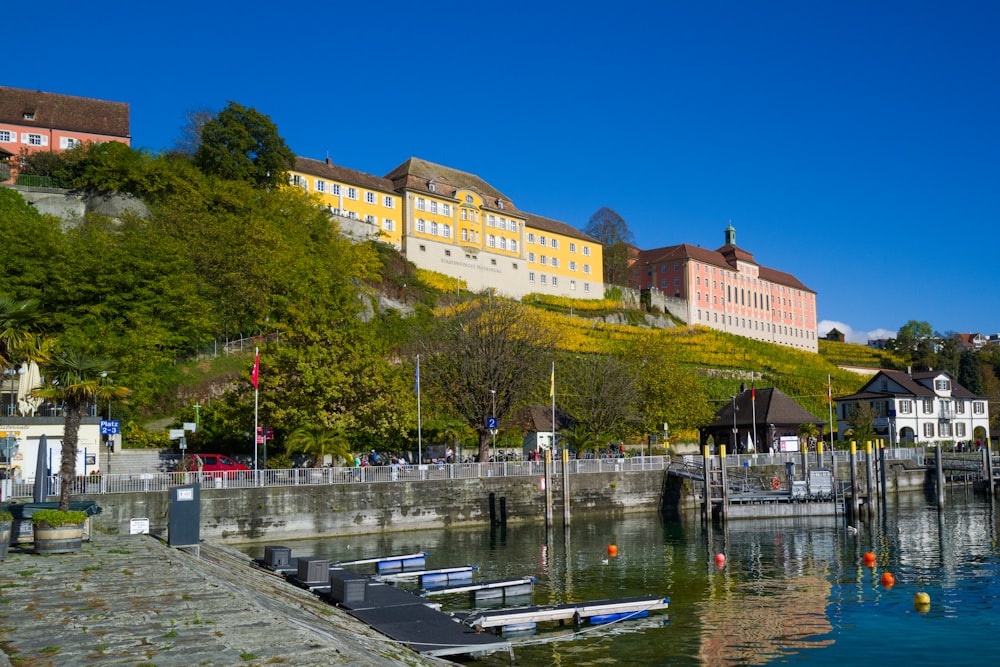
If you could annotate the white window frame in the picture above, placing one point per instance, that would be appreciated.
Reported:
(586, 251)
(320, 185)
(388, 201)
(421, 204)
(8, 137)
(335, 189)
(370, 198)
(352, 193)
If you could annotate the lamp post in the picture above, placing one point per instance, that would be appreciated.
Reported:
(493, 431)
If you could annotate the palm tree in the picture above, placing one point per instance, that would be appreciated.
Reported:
(77, 382)
(318, 441)
(808, 432)
(579, 439)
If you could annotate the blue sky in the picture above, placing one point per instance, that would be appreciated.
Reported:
(855, 145)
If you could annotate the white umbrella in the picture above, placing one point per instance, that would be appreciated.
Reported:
(31, 378)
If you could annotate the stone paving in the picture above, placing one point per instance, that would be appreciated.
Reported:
(133, 600)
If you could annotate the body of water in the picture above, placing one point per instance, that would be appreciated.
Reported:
(789, 591)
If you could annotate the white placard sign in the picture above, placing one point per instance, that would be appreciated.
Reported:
(138, 527)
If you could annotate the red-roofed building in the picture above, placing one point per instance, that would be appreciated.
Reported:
(726, 289)
(33, 121)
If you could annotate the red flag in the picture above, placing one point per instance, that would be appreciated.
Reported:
(256, 370)
(753, 391)
(829, 390)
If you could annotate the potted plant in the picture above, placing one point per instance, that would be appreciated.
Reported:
(58, 531)
(6, 523)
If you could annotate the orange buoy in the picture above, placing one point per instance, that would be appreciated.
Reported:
(612, 550)
(869, 558)
(887, 579)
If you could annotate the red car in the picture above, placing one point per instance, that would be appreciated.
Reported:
(217, 463)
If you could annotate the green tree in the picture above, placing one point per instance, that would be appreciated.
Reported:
(17, 342)
(669, 392)
(77, 382)
(862, 421)
(610, 229)
(490, 350)
(242, 144)
(319, 442)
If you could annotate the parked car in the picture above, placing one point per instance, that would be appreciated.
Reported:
(217, 465)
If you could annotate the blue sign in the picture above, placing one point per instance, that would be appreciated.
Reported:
(109, 426)
(491, 422)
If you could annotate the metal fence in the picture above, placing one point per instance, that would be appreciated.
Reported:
(158, 482)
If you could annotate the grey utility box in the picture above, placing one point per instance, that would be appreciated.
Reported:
(313, 571)
(798, 489)
(348, 587)
(275, 556)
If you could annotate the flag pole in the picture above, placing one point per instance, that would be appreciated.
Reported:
(829, 400)
(255, 378)
(420, 444)
(552, 390)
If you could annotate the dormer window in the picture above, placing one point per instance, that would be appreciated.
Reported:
(468, 199)
(500, 204)
(431, 187)
(29, 115)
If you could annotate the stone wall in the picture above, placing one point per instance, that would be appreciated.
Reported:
(276, 513)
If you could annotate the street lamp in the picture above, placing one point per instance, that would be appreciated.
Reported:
(493, 414)
(734, 424)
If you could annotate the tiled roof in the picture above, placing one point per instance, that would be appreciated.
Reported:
(64, 112)
(417, 174)
(720, 257)
(910, 385)
(772, 406)
(340, 174)
(556, 227)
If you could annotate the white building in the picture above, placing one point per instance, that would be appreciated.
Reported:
(919, 407)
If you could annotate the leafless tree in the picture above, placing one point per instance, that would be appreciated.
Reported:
(493, 351)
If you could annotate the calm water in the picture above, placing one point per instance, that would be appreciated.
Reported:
(790, 591)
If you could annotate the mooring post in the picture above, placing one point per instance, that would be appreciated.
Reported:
(565, 486)
(988, 464)
(882, 475)
(547, 482)
(493, 509)
(725, 482)
(706, 499)
(853, 513)
(939, 465)
(868, 475)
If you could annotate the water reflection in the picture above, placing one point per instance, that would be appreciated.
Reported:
(789, 591)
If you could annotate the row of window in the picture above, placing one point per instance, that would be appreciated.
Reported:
(434, 229)
(35, 139)
(388, 224)
(541, 239)
(545, 260)
(758, 325)
(544, 279)
(906, 406)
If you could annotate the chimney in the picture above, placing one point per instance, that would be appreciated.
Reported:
(328, 161)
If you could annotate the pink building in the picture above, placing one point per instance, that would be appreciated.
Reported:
(726, 289)
(32, 121)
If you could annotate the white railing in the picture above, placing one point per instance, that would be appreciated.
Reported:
(157, 482)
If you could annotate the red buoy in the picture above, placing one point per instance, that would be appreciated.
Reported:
(888, 580)
(612, 550)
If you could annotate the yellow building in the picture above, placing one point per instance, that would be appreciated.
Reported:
(456, 223)
(365, 205)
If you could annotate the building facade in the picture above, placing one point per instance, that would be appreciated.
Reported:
(919, 407)
(33, 121)
(455, 223)
(726, 289)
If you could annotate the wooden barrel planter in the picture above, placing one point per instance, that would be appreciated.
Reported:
(58, 532)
